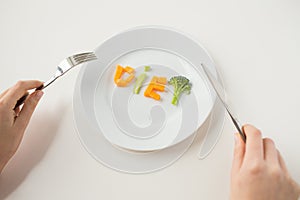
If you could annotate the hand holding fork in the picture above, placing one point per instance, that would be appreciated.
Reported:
(62, 68)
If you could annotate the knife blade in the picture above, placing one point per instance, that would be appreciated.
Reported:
(217, 88)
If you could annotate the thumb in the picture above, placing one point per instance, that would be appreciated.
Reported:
(239, 152)
(28, 108)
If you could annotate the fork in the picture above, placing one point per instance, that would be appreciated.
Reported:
(62, 68)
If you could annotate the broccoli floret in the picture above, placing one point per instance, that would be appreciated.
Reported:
(181, 85)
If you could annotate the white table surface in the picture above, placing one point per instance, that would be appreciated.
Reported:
(256, 45)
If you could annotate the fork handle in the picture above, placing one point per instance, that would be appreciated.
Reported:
(21, 100)
(48, 82)
(24, 97)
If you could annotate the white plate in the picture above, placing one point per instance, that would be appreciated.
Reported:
(117, 158)
(133, 121)
(128, 161)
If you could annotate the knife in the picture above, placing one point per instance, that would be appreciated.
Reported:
(217, 88)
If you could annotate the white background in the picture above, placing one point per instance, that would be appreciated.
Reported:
(255, 45)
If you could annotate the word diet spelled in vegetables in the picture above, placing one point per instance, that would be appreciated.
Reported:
(157, 84)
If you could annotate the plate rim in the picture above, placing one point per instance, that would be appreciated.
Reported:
(186, 35)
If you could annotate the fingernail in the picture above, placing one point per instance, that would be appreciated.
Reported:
(39, 94)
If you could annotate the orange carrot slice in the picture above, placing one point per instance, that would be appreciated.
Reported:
(129, 70)
(119, 73)
(162, 80)
(160, 88)
(148, 90)
(156, 84)
(154, 95)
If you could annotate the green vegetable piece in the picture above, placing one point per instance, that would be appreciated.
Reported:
(139, 82)
(147, 68)
(181, 85)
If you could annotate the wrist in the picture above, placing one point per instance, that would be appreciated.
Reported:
(2, 165)
(4, 158)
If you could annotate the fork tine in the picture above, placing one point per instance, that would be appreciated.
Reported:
(80, 59)
(85, 59)
(82, 54)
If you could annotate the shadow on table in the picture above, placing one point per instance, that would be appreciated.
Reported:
(36, 141)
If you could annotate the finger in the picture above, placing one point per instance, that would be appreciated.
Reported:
(17, 111)
(270, 151)
(254, 144)
(239, 152)
(281, 162)
(21, 100)
(27, 110)
(18, 90)
(3, 93)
